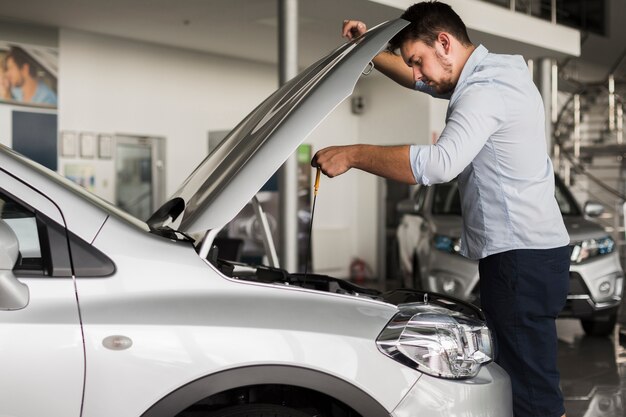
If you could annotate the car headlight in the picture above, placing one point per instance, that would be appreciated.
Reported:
(590, 248)
(447, 244)
(437, 341)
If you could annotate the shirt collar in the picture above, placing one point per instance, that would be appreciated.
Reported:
(472, 62)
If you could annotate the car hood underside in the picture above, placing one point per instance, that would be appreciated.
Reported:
(254, 150)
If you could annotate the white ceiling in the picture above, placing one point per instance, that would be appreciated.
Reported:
(242, 28)
(248, 28)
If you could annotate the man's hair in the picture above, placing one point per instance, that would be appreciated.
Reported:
(427, 20)
(21, 58)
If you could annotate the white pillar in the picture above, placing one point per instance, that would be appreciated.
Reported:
(548, 89)
(288, 175)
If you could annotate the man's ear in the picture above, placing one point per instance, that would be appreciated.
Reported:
(444, 39)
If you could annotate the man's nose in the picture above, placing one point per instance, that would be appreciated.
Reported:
(417, 74)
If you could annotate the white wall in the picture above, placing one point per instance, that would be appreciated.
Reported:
(114, 85)
(393, 115)
(335, 232)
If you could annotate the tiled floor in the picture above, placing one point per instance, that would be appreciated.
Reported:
(593, 371)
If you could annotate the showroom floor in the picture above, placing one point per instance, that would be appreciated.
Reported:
(593, 370)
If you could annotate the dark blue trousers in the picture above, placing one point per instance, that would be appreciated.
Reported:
(522, 292)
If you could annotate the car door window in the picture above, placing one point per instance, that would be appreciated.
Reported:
(24, 223)
(44, 245)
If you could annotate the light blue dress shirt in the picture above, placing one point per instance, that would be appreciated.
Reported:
(43, 94)
(494, 141)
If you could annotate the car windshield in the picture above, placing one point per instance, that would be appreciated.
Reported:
(447, 200)
(567, 203)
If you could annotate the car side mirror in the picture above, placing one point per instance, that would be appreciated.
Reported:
(408, 206)
(13, 294)
(593, 209)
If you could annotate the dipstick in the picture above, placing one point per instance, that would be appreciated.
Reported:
(308, 252)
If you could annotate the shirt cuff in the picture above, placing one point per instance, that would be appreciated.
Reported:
(414, 152)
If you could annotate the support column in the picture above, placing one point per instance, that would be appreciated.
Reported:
(611, 103)
(288, 175)
(548, 76)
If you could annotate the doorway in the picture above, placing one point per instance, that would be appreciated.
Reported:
(139, 174)
(390, 193)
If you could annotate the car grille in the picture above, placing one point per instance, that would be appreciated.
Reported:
(576, 284)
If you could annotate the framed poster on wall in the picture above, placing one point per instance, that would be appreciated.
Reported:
(28, 74)
(105, 146)
(68, 144)
(87, 145)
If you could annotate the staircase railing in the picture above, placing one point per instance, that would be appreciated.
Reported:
(579, 140)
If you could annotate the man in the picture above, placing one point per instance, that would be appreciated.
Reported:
(494, 141)
(25, 86)
(5, 85)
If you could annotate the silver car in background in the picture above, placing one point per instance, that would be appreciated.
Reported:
(429, 243)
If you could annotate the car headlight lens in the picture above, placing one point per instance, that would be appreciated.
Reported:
(447, 243)
(437, 341)
(590, 248)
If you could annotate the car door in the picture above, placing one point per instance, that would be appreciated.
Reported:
(41, 344)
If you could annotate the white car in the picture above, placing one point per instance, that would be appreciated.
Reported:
(102, 314)
(429, 242)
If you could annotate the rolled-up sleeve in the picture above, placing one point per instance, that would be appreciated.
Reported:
(473, 118)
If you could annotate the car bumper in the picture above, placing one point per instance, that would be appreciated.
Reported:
(595, 288)
(584, 307)
(486, 395)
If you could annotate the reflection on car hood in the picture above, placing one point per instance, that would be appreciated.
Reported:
(448, 225)
(230, 176)
(580, 229)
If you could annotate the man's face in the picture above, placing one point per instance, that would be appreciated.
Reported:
(430, 64)
(14, 74)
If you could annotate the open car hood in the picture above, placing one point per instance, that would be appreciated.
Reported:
(234, 172)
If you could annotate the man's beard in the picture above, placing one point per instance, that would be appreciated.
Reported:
(446, 85)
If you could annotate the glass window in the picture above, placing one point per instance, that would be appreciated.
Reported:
(23, 222)
(586, 15)
(447, 199)
(134, 179)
